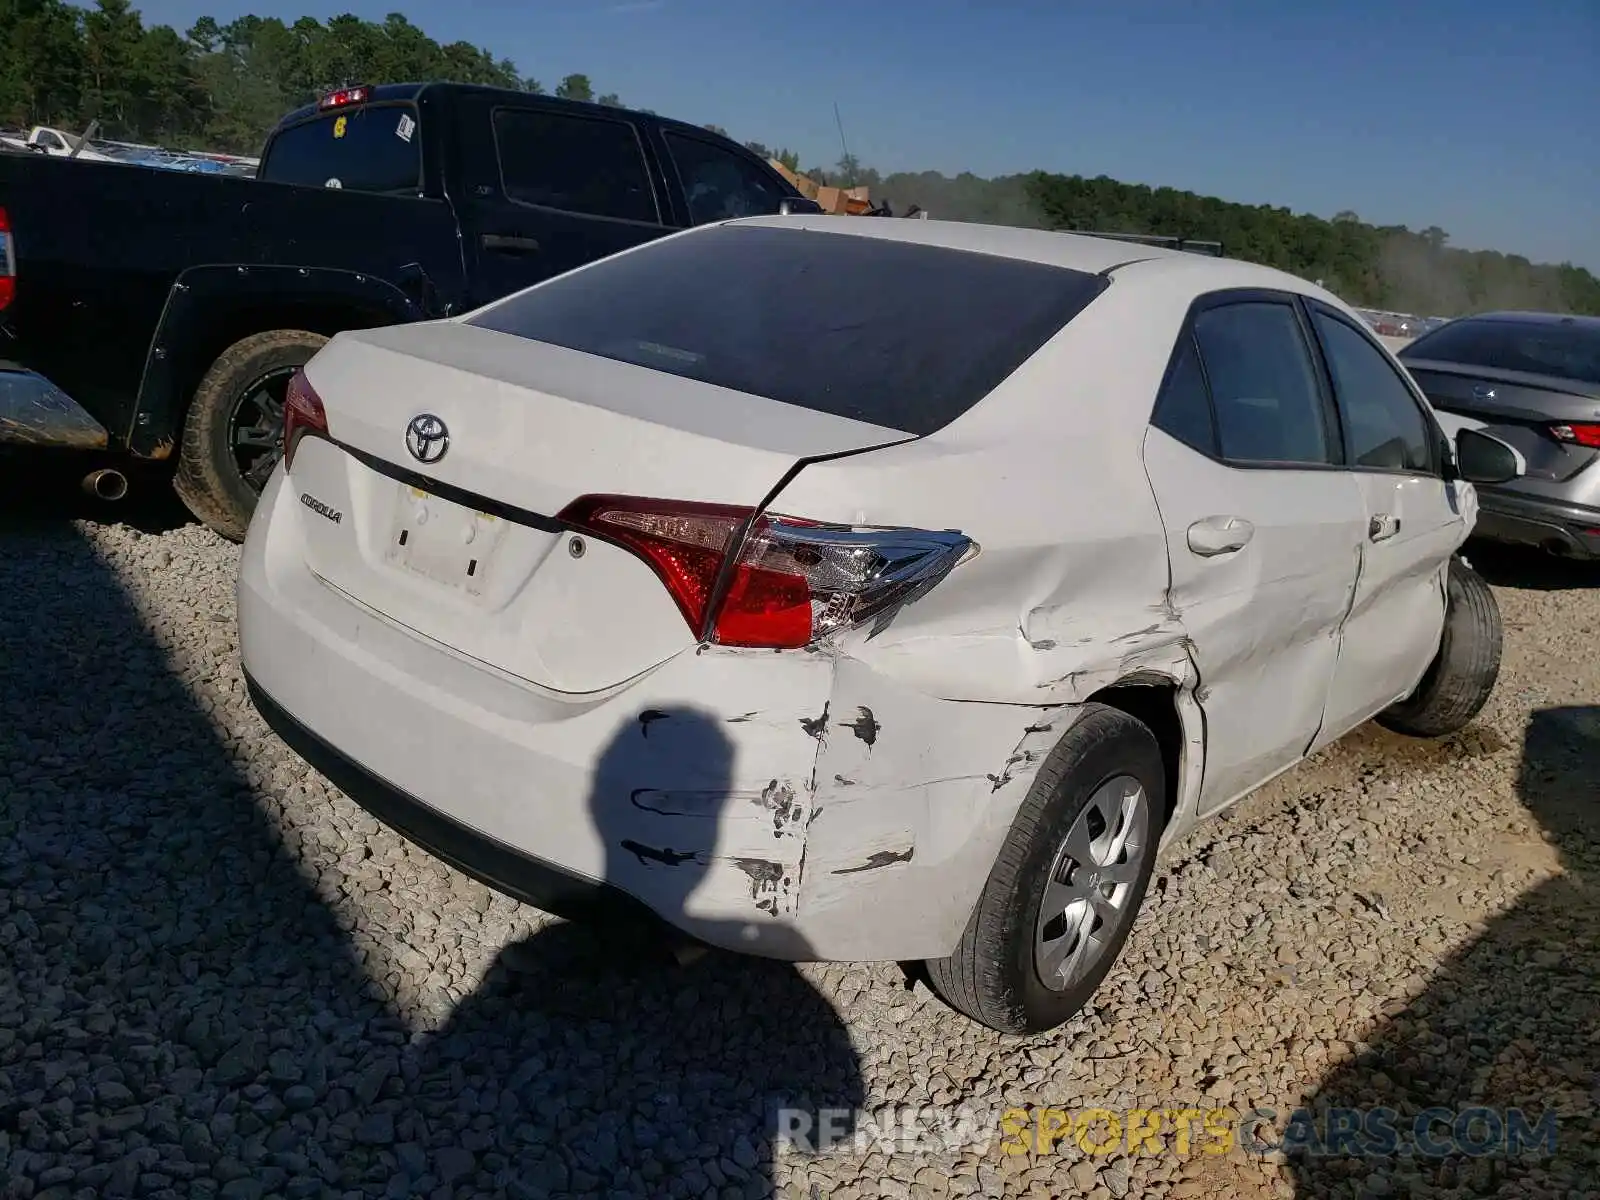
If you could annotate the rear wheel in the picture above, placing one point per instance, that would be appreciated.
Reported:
(1463, 673)
(1068, 882)
(233, 435)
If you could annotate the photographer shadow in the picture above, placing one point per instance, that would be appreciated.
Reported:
(627, 1071)
(1511, 1022)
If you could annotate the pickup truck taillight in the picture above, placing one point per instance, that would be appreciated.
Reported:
(302, 413)
(8, 261)
(792, 582)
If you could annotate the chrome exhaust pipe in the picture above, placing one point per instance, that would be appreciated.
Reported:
(106, 484)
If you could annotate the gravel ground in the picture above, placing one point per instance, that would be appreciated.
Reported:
(219, 978)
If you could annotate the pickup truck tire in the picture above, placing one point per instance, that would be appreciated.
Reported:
(1462, 675)
(244, 384)
(1108, 764)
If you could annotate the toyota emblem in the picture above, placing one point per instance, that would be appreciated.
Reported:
(427, 438)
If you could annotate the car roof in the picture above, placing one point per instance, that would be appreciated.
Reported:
(1074, 251)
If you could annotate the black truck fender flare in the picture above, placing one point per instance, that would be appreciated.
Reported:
(210, 307)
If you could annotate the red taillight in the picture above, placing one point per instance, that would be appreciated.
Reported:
(791, 581)
(8, 261)
(302, 413)
(1578, 433)
(344, 97)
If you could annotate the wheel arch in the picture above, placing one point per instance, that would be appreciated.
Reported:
(1167, 707)
(211, 308)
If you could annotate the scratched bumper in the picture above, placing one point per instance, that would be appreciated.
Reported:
(787, 805)
(505, 868)
(34, 412)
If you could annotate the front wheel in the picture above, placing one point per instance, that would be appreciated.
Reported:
(1463, 673)
(1068, 882)
(233, 435)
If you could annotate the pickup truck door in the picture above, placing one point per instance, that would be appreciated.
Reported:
(1413, 522)
(1263, 532)
(548, 190)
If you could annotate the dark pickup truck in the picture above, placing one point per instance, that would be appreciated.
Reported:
(150, 320)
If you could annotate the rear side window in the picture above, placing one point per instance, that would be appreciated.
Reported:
(370, 149)
(719, 184)
(1565, 351)
(900, 335)
(1263, 386)
(584, 165)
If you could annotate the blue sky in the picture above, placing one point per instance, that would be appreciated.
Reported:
(1479, 117)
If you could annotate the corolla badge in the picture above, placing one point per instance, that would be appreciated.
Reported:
(1483, 391)
(427, 438)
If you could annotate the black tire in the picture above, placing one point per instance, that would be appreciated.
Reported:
(992, 977)
(213, 479)
(1462, 675)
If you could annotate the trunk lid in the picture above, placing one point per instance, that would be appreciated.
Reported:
(1518, 408)
(460, 545)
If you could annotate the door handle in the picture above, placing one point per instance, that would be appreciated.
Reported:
(1211, 536)
(1382, 527)
(510, 243)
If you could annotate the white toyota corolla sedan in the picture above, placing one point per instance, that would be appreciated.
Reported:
(861, 589)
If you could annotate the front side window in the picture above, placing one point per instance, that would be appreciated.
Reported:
(1383, 427)
(1263, 385)
(374, 148)
(589, 165)
(720, 185)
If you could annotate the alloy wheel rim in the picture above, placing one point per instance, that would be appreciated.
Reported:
(1086, 897)
(255, 427)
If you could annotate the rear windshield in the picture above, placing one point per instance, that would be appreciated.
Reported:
(370, 149)
(904, 336)
(1565, 351)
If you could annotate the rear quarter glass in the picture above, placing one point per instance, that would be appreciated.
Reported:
(895, 334)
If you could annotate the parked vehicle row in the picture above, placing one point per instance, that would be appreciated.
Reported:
(660, 588)
(172, 348)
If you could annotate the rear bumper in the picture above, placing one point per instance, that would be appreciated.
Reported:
(493, 863)
(1569, 529)
(34, 412)
(795, 806)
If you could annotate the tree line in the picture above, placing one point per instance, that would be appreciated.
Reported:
(222, 86)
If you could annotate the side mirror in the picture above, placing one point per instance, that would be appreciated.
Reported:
(1484, 458)
(790, 205)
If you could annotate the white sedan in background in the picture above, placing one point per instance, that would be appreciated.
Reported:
(866, 590)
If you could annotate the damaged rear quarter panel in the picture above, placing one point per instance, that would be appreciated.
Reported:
(1068, 592)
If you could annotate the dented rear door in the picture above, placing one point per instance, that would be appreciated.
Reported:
(1263, 548)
